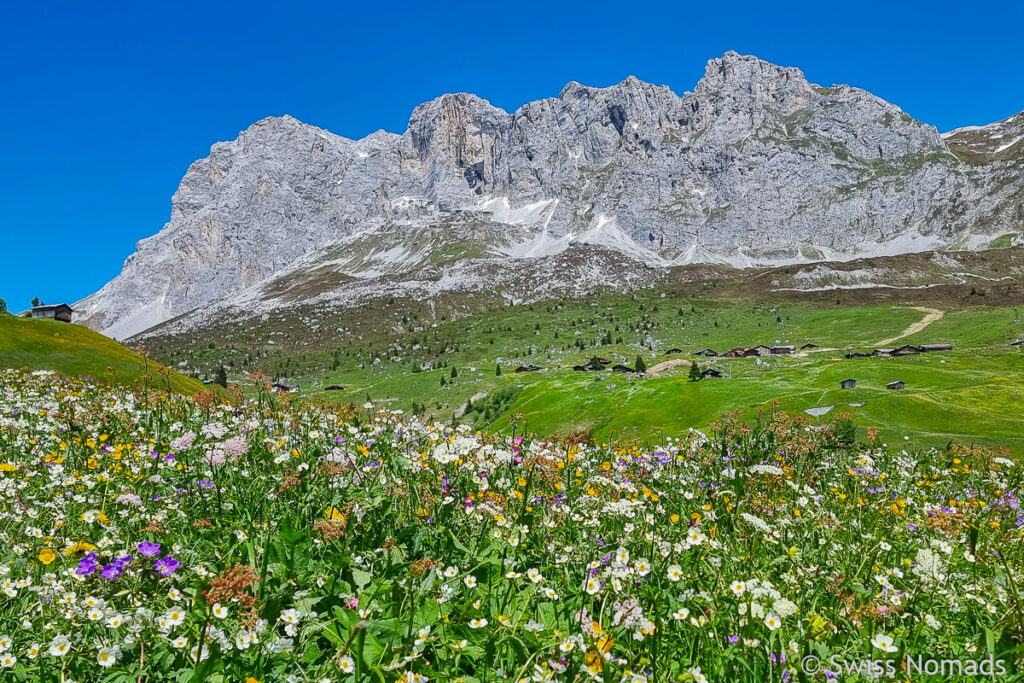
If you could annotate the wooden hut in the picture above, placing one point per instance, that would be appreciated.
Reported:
(710, 353)
(529, 368)
(925, 348)
(848, 383)
(710, 373)
(61, 312)
(622, 369)
(783, 350)
(898, 385)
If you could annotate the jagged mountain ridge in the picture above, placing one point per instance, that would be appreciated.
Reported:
(755, 166)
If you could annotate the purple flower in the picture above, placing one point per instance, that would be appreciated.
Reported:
(166, 565)
(149, 549)
(205, 484)
(87, 565)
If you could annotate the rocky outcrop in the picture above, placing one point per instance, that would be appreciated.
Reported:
(755, 166)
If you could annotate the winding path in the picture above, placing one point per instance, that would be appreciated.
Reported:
(931, 315)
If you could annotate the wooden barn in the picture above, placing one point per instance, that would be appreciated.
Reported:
(759, 350)
(61, 312)
(783, 350)
(622, 369)
(710, 353)
(735, 352)
(529, 368)
(898, 385)
(848, 383)
(673, 351)
(925, 348)
(710, 373)
(282, 388)
(808, 345)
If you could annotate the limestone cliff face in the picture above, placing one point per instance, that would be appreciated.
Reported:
(755, 166)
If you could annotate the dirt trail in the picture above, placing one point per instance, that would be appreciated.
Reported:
(665, 365)
(931, 315)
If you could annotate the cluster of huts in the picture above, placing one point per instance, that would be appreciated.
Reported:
(851, 383)
(602, 364)
(742, 352)
(905, 350)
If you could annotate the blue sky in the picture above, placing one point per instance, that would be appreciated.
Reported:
(103, 106)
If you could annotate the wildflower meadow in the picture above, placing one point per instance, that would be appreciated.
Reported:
(150, 537)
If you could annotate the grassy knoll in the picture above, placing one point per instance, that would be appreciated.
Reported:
(72, 350)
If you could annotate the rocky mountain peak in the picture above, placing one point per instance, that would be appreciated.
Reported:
(756, 166)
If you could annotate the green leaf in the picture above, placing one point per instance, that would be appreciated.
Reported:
(361, 578)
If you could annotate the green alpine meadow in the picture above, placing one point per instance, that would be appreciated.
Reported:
(511, 342)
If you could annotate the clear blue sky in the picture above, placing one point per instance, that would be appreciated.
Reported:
(103, 105)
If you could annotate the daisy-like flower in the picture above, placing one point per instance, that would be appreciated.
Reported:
(179, 643)
(219, 610)
(7, 660)
(477, 623)
(681, 614)
(470, 581)
(593, 586)
(534, 575)
(5, 643)
(883, 642)
(347, 665)
(772, 621)
(675, 573)
(107, 656)
(738, 588)
(59, 646)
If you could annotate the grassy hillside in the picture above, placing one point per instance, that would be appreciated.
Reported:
(968, 394)
(72, 350)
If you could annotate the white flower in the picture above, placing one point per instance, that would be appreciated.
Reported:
(291, 616)
(107, 656)
(675, 573)
(59, 646)
(219, 610)
(681, 614)
(179, 643)
(738, 588)
(883, 642)
(7, 660)
(533, 626)
(534, 575)
(772, 621)
(174, 617)
(347, 665)
(932, 622)
(477, 623)
(593, 586)
(470, 581)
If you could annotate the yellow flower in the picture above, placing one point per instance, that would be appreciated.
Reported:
(250, 679)
(46, 556)
(79, 547)
(7, 467)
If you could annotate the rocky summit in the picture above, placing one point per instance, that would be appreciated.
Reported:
(597, 187)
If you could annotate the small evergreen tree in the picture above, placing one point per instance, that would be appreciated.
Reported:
(37, 302)
(455, 373)
(694, 372)
(641, 366)
(497, 369)
(3, 306)
(221, 377)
